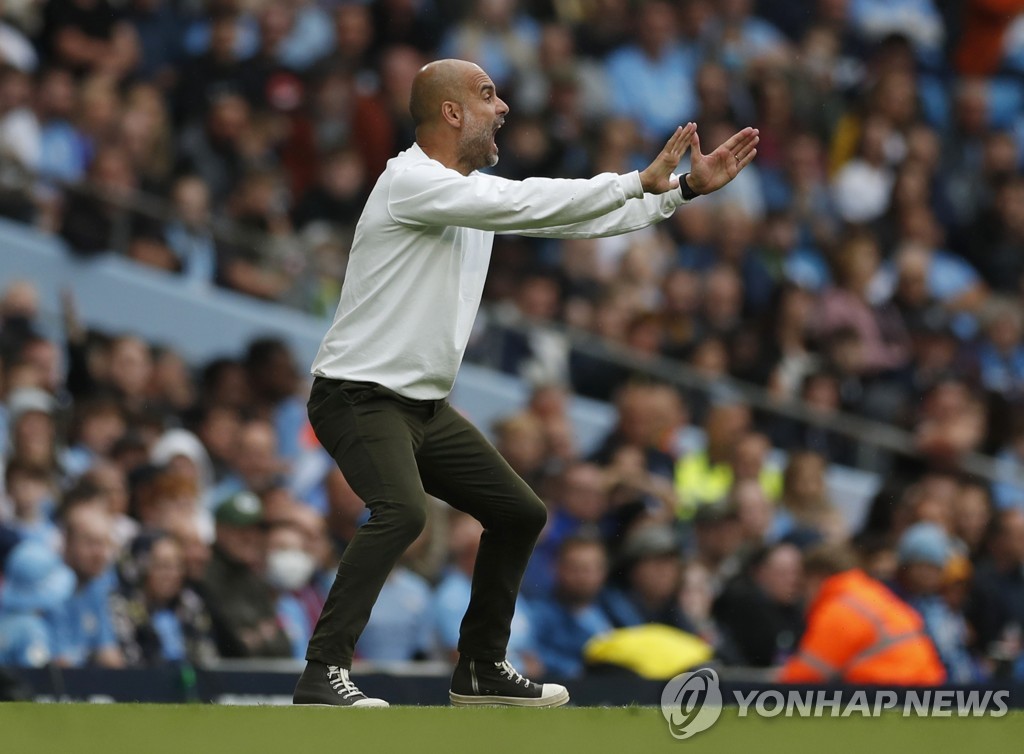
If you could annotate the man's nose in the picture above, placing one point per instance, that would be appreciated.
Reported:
(502, 107)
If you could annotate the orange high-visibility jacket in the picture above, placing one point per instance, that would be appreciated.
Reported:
(860, 632)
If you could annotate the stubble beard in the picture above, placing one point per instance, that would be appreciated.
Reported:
(476, 150)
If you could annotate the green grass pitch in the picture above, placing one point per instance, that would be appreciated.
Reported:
(171, 729)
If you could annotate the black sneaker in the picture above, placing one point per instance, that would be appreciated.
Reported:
(329, 686)
(498, 683)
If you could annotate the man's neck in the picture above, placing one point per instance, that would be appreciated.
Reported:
(441, 152)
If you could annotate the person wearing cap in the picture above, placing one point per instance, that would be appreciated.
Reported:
(718, 541)
(36, 584)
(241, 602)
(924, 553)
(647, 585)
(31, 426)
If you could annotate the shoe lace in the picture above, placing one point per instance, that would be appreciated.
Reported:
(505, 668)
(341, 683)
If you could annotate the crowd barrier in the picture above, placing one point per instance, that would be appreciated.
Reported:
(254, 686)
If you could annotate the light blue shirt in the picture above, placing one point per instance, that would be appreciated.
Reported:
(197, 253)
(311, 38)
(1008, 494)
(172, 638)
(491, 51)
(26, 641)
(400, 625)
(295, 621)
(657, 94)
(62, 151)
(83, 626)
(757, 38)
(562, 634)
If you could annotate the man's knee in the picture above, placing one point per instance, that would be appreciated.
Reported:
(405, 518)
(531, 516)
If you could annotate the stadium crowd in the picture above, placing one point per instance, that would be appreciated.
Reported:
(870, 261)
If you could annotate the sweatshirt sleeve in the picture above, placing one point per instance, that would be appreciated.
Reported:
(438, 196)
(633, 215)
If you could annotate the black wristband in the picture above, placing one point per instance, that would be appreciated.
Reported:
(686, 190)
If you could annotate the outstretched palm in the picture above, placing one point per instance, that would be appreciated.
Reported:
(712, 171)
(659, 176)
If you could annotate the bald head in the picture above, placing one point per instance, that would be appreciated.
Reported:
(436, 83)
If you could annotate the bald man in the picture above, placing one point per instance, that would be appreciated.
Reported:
(386, 366)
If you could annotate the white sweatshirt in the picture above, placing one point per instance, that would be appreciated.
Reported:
(419, 260)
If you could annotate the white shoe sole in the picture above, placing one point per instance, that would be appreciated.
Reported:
(466, 700)
(368, 703)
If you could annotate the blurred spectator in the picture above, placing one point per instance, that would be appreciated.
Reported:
(520, 440)
(289, 570)
(951, 422)
(30, 491)
(212, 149)
(648, 419)
(217, 72)
(651, 79)
(917, 19)
(189, 235)
(648, 586)
(159, 26)
(857, 630)
(84, 626)
(988, 35)
(240, 600)
(20, 137)
(924, 553)
(997, 610)
(760, 610)
(1001, 353)
(880, 330)
(497, 36)
(718, 542)
(740, 40)
(93, 223)
(36, 585)
(805, 510)
(580, 503)
(565, 621)
(972, 515)
(338, 195)
(255, 464)
(89, 36)
(157, 617)
(15, 48)
(704, 477)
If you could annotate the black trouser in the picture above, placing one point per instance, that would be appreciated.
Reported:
(393, 451)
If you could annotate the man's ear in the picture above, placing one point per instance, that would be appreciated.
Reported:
(452, 113)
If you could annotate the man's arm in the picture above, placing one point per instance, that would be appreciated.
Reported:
(438, 197)
(708, 174)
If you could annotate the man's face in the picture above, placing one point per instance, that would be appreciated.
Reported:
(89, 548)
(580, 573)
(483, 114)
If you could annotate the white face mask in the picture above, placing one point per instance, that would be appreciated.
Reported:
(288, 570)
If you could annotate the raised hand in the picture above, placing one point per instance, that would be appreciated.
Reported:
(710, 172)
(657, 177)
